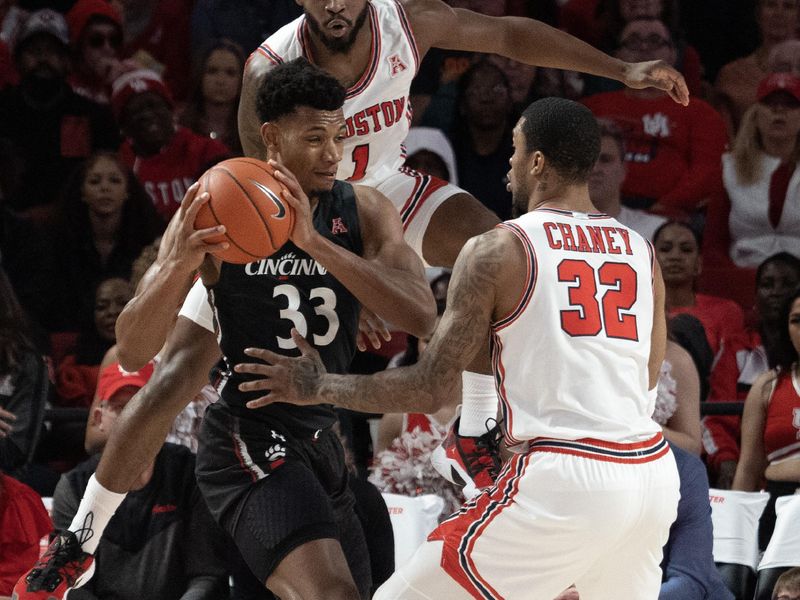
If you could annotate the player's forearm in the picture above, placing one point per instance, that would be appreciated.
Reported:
(143, 325)
(400, 390)
(401, 297)
(536, 43)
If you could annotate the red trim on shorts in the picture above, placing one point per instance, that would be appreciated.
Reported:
(631, 453)
(425, 186)
(461, 532)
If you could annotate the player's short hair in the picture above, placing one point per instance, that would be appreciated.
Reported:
(297, 83)
(566, 133)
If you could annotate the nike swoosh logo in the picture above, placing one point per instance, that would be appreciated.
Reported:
(272, 196)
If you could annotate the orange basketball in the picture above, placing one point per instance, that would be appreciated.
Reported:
(247, 200)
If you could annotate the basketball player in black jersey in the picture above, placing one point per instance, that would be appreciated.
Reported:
(275, 478)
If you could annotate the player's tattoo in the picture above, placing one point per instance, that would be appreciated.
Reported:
(462, 332)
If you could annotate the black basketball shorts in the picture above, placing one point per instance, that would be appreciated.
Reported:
(274, 491)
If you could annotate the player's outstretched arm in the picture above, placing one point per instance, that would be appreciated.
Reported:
(488, 273)
(255, 69)
(143, 325)
(535, 43)
(389, 279)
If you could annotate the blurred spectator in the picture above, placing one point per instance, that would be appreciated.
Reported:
(769, 424)
(245, 22)
(429, 151)
(435, 88)
(481, 136)
(103, 222)
(737, 81)
(11, 17)
(22, 253)
(688, 563)
(759, 213)
(785, 58)
(95, 35)
(158, 38)
(76, 376)
(678, 400)
(213, 106)
(745, 358)
(601, 22)
(166, 159)
(672, 152)
(51, 127)
(162, 542)
(24, 385)
(23, 523)
(605, 183)
(677, 249)
(788, 585)
(520, 76)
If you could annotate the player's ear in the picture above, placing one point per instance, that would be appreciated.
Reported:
(536, 163)
(270, 135)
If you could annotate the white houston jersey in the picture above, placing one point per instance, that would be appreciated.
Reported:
(376, 107)
(570, 362)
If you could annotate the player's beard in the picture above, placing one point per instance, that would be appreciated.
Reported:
(519, 201)
(338, 45)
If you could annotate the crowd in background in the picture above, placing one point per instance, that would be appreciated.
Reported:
(110, 110)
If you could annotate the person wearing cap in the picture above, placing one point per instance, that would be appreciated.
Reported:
(672, 153)
(429, 151)
(95, 36)
(759, 213)
(166, 158)
(162, 542)
(52, 128)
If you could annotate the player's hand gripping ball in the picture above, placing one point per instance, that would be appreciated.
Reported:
(248, 201)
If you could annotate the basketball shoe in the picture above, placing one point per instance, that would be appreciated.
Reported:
(470, 462)
(63, 566)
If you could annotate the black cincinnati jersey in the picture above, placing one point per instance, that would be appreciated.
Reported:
(257, 305)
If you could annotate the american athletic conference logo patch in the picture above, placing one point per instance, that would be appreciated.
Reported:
(396, 65)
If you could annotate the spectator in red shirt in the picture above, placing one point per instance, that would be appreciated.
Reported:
(166, 159)
(672, 152)
(677, 249)
(23, 522)
(745, 359)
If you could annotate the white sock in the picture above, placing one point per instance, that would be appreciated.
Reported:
(97, 507)
(478, 403)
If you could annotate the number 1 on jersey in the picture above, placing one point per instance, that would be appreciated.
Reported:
(360, 157)
(587, 319)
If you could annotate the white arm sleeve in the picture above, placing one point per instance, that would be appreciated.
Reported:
(196, 307)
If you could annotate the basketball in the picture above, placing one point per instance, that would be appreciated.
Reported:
(246, 199)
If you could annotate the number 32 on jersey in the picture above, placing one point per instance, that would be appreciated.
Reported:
(593, 313)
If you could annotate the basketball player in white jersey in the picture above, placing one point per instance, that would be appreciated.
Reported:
(574, 304)
(374, 48)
